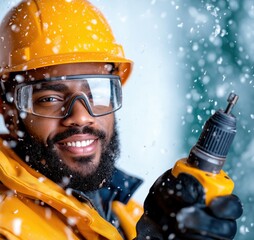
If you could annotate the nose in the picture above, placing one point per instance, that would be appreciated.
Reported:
(78, 114)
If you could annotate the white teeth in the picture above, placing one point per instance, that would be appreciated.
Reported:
(79, 143)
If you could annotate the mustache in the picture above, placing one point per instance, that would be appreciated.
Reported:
(72, 131)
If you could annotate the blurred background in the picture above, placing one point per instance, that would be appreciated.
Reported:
(188, 55)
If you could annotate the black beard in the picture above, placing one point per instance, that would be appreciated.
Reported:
(45, 160)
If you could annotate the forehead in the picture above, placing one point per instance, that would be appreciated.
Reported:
(68, 69)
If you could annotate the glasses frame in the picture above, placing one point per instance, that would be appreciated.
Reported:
(73, 100)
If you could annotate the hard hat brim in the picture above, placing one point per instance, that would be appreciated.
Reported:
(124, 65)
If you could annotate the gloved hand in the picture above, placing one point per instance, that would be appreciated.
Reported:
(175, 209)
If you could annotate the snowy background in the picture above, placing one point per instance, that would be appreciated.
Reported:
(188, 56)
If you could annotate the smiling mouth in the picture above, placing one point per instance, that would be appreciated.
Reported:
(79, 147)
(79, 144)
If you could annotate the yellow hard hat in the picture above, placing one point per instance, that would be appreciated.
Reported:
(39, 33)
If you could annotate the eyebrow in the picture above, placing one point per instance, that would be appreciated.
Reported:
(59, 87)
(54, 87)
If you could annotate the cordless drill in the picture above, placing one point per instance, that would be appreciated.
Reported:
(207, 157)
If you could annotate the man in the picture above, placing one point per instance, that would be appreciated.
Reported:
(61, 77)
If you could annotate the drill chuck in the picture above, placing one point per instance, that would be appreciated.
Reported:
(209, 153)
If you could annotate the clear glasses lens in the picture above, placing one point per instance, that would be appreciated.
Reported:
(55, 98)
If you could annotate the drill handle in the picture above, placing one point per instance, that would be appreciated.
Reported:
(214, 184)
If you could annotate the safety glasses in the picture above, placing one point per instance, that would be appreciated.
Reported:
(55, 97)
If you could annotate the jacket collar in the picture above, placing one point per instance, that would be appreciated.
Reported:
(121, 187)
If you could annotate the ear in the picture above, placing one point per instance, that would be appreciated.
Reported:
(10, 115)
(1, 106)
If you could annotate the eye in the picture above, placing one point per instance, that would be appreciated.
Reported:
(89, 95)
(49, 99)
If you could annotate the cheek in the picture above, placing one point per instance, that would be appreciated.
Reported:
(40, 128)
(107, 123)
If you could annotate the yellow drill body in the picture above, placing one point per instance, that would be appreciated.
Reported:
(214, 184)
